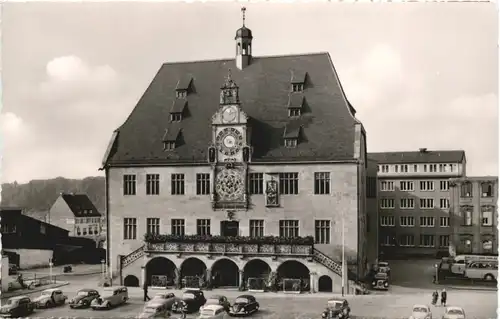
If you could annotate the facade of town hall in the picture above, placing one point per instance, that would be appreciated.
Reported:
(248, 167)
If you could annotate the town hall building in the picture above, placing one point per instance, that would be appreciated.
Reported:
(239, 172)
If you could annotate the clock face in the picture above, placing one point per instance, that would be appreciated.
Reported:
(229, 141)
(229, 114)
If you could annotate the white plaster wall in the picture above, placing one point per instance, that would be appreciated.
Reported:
(5, 273)
(32, 257)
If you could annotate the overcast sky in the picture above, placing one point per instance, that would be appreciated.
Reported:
(419, 74)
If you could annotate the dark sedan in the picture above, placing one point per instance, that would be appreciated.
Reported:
(244, 305)
(190, 301)
(83, 298)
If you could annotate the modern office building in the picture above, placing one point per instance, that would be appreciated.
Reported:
(230, 165)
(474, 215)
(414, 200)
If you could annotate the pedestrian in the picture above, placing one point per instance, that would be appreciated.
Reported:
(146, 297)
(435, 296)
(183, 313)
(443, 298)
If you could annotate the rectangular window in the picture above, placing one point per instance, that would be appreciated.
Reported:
(387, 240)
(129, 184)
(427, 186)
(293, 112)
(386, 186)
(256, 183)
(387, 221)
(203, 227)
(407, 240)
(203, 184)
(444, 221)
(297, 87)
(415, 168)
(406, 186)
(385, 168)
(444, 241)
(321, 183)
(467, 216)
(432, 168)
(168, 145)
(425, 168)
(487, 217)
(322, 232)
(426, 221)
(387, 203)
(466, 189)
(130, 228)
(444, 203)
(178, 227)
(289, 183)
(291, 142)
(177, 184)
(444, 185)
(395, 168)
(442, 168)
(486, 189)
(256, 228)
(404, 168)
(427, 241)
(407, 221)
(175, 117)
(426, 203)
(153, 225)
(407, 203)
(153, 184)
(452, 167)
(289, 228)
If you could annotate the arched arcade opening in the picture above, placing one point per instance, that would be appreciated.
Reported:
(193, 272)
(293, 276)
(225, 273)
(325, 284)
(256, 274)
(131, 281)
(161, 272)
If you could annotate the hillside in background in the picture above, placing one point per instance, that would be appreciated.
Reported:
(37, 196)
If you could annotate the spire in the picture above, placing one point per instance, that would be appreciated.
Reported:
(243, 10)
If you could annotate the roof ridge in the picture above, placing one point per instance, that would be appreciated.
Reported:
(257, 57)
(417, 151)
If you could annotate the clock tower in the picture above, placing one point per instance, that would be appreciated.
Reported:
(229, 153)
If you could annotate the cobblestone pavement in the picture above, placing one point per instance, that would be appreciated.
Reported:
(477, 304)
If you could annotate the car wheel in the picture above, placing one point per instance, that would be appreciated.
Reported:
(108, 305)
(47, 304)
(489, 277)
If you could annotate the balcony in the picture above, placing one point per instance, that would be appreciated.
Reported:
(241, 246)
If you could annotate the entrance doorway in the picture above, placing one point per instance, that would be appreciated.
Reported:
(229, 228)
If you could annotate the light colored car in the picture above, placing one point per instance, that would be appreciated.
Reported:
(110, 297)
(421, 312)
(454, 313)
(169, 298)
(212, 312)
(218, 300)
(50, 298)
(156, 308)
(19, 306)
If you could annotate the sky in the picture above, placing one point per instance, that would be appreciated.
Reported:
(418, 74)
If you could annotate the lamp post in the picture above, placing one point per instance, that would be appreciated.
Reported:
(50, 269)
(436, 266)
(103, 270)
(338, 197)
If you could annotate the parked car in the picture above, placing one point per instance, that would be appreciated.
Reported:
(381, 281)
(110, 297)
(169, 297)
(383, 266)
(15, 307)
(421, 312)
(218, 300)
(50, 298)
(212, 311)
(13, 269)
(337, 308)
(454, 313)
(83, 298)
(156, 308)
(191, 301)
(244, 305)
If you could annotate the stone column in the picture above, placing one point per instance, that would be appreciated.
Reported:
(241, 273)
(312, 282)
(143, 276)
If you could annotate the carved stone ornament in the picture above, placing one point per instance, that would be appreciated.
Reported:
(230, 185)
(272, 193)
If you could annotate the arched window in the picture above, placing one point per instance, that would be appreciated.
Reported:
(466, 189)
(486, 189)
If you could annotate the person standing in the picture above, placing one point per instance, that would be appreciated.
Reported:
(443, 298)
(146, 297)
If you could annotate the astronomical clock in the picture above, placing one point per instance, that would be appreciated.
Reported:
(229, 153)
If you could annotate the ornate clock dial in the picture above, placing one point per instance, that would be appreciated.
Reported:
(229, 185)
(229, 141)
(229, 114)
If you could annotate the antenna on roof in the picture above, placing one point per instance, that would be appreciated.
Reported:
(243, 9)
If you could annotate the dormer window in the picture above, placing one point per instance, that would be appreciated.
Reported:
(177, 110)
(295, 104)
(292, 134)
(299, 87)
(294, 112)
(168, 145)
(171, 137)
(181, 94)
(291, 142)
(183, 87)
(175, 117)
(298, 80)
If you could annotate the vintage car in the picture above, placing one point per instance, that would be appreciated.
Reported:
(337, 308)
(156, 308)
(191, 301)
(15, 307)
(212, 311)
(83, 298)
(383, 266)
(50, 298)
(381, 281)
(110, 297)
(421, 312)
(169, 297)
(218, 300)
(454, 313)
(13, 269)
(244, 305)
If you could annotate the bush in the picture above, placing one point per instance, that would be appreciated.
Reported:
(276, 240)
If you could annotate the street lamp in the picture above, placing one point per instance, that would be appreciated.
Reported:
(103, 270)
(436, 266)
(338, 197)
(50, 269)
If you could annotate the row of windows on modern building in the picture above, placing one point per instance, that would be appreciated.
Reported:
(288, 228)
(408, 240)
(409, 203)
(92, 230)
(288, 184)
(416, 168)
(466, 189)
(429, 221)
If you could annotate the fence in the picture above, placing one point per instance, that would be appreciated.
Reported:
(256, 284)
(291, 285)
(32, 281)
(158, 281)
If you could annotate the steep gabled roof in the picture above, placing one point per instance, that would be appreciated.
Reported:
(264, 88)
(79, 203)
(416, 157)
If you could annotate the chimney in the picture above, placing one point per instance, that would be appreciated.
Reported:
(423, 150)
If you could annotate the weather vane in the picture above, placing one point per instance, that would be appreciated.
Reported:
(229, 79)
(243, 9)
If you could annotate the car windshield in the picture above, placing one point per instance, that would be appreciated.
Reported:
(455, 312)
(82, 293)
(187, 295)
(10, 302)
(419, 309)
(150, 309)
(335, 305)
(241, 300)
(46, 293)
(212, 302)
